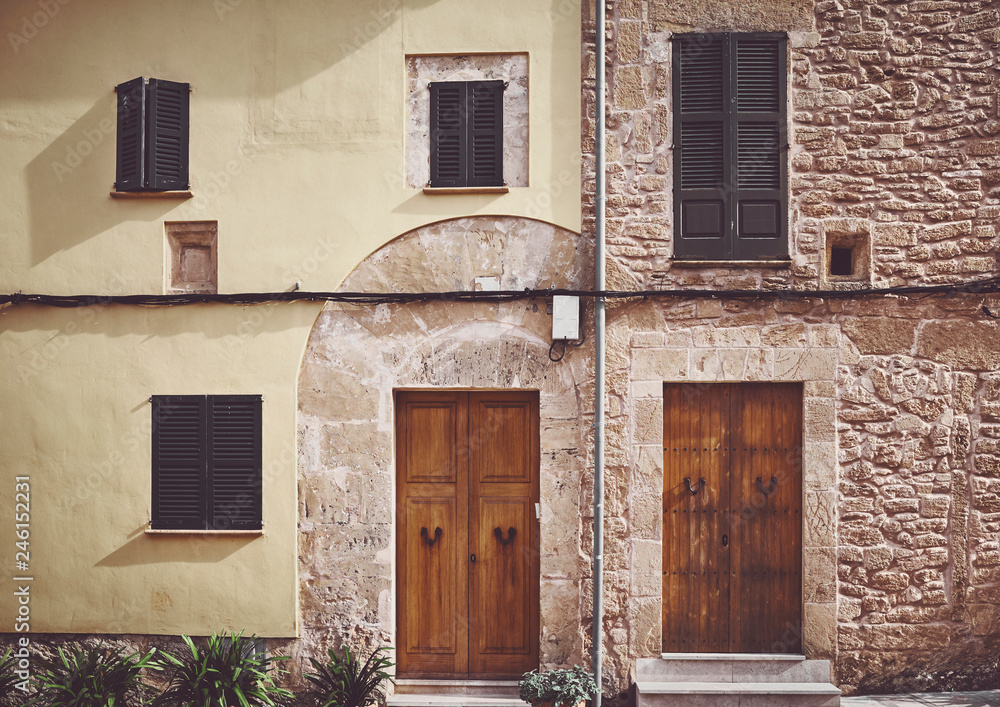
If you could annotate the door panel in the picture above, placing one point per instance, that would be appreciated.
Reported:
(732, 549)
(498, 440)
(432, 561)
(432, 488)
(695, 563)
(432, 440)
(767, 482)
(503, 468)
(500, 587)
(467, 462)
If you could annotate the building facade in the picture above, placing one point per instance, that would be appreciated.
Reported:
(798, 460)
(890, 147)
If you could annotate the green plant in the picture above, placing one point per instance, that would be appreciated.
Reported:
(227, 672)
(344, 682)
(8, 678)
(562, 687)
(92, 677)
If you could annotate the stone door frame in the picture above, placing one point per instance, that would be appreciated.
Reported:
(653, 362)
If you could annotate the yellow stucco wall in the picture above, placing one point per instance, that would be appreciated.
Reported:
(297, 149)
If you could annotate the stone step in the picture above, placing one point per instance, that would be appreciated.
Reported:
(451, 700)
(491, 688)
(732, 668)
(736, 694)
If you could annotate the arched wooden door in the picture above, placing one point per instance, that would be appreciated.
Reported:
(467, 540)
(732, 518)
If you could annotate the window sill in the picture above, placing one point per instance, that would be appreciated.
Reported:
(151, 194)
(435, 191)
(732, 263)
(228, 533)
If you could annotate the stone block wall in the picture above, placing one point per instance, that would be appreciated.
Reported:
(894, 137)
(901, 472)
(894, 145)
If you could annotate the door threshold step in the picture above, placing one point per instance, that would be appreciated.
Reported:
(732, 656)
(736, 688)
(452, 700)
(444, 686)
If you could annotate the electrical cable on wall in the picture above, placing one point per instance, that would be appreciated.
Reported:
(987, 286)
(565, 343)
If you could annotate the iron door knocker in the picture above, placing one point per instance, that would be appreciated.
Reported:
(430, 541)
(691, 490)
(511, 532)
(770, 489)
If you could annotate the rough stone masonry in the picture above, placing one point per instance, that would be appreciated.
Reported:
(894, 147)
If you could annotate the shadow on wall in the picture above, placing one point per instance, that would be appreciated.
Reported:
(69, 184)
(70, 180)
(143, 549)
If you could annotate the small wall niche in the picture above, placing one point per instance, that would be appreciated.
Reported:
(847, 257)
(192, 257)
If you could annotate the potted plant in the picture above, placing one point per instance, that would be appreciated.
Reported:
(557, 688)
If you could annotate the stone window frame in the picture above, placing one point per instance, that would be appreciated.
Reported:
(423, 69)
(816, 368)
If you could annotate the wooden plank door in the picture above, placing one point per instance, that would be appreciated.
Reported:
(467, 465)
(731, 546)
(695, 507)
(766, 518)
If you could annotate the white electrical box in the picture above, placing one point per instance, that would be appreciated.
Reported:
(565, 317)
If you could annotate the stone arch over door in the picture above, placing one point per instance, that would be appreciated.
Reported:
(357, 356)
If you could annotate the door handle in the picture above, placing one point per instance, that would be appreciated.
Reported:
(770, 489)
(511, 532)
(430, 541)
(472, 558)
(694, 491)
(725, 541)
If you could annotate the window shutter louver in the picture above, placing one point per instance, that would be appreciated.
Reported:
(234, 462)
(466, 133)
(485, 134)
(179, 455)
(700, 160)
(448, 141)
(167, 135)
(759, 126)
(129, 167)
(729, 125)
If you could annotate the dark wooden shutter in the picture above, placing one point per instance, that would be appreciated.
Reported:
(130, 163)
(167, 135)
(234, 462)
(179, 456)
(449, 158)
(729, 124)
(701, 136)
(466, 133)
(758, 133)
(485, 133)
